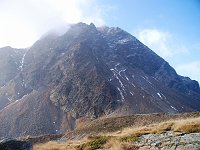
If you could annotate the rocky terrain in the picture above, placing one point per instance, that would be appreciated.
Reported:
(86, 73)
(169, 141)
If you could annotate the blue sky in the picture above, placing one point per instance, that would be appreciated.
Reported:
(175, 25)
(169, 27)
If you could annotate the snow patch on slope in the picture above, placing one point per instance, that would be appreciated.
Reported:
(22, 61)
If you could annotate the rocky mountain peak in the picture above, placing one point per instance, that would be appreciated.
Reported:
(87, 72)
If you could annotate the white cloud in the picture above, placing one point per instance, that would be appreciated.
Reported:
(24, 21)
(163, 43)
(156, 40)
(191, 69)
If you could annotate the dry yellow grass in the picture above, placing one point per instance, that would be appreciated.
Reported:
(184, 125)
(113, 145)
(116, 143)
(187, 125)
(53, 145)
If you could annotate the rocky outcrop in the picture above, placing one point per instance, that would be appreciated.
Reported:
(169, 141)
(12, 144)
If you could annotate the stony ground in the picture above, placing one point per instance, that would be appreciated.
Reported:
(169, 141)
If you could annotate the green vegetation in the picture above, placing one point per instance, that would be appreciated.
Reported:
(95, 143)
(130, 138)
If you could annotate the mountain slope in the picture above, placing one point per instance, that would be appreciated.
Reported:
(11, 61)
(90, 72)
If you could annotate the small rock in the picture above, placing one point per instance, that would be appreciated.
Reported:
(144, 148)
(178, 133)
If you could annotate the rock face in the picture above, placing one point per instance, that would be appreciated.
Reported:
(88, 72)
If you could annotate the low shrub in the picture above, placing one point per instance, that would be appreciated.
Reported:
(95, 143)
(130, 138)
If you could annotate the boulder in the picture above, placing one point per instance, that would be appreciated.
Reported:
(13, 144)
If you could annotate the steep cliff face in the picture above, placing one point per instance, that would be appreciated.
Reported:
(89, 72)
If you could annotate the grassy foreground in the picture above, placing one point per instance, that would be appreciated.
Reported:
(123, 139)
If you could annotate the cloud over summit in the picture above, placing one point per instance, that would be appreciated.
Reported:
(24, 21)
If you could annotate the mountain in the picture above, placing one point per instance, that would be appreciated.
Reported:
(88, 72)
